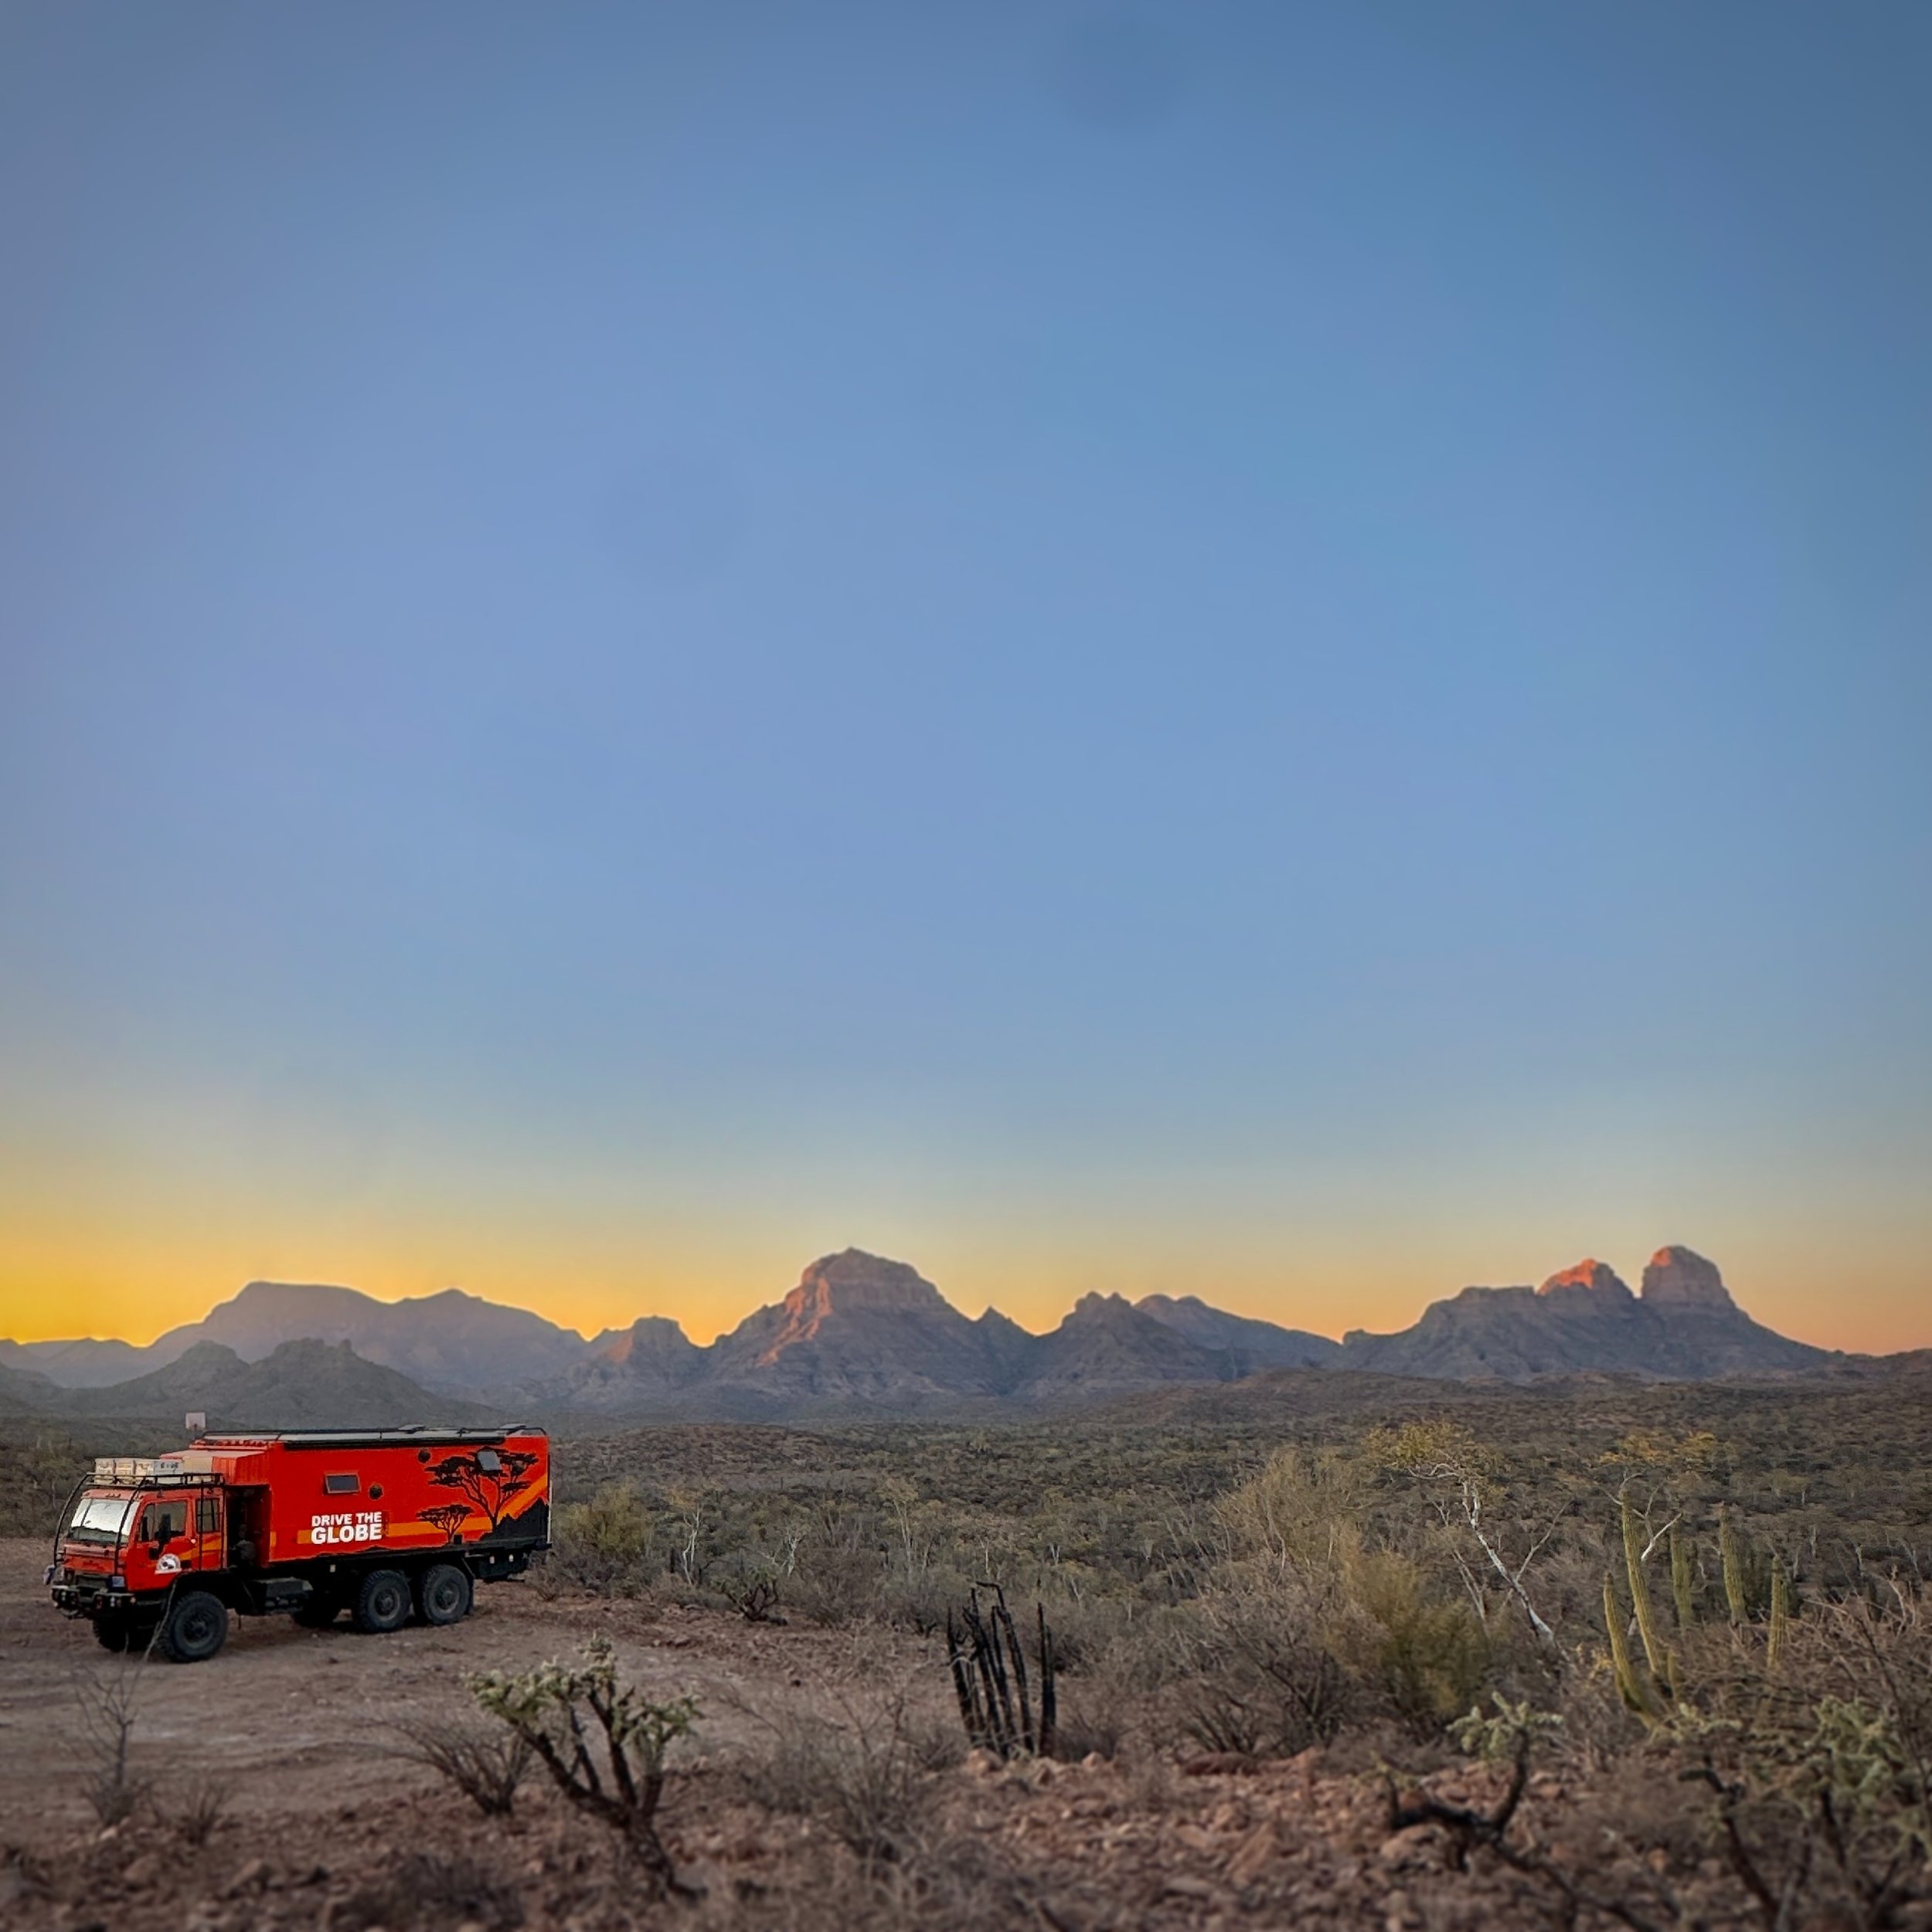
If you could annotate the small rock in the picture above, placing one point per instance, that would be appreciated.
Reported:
(981, 1763)
(1092, 1761)
(1182, 1886)
(1218, 1764)
(1255, 1854)
(252, 1876)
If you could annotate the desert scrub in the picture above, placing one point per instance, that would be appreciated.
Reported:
(863, 1768)
(604, 1742)
(487, 1766)
(605, 1544)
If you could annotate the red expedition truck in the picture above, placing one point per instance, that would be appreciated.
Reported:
(384, 1523)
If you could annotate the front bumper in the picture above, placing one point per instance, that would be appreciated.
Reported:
(90, 1599)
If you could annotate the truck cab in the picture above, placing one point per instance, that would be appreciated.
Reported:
(138, 1537)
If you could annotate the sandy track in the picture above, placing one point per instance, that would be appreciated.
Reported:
(290, 1716)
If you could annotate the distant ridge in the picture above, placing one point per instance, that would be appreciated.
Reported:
(451, 1341)
(1684, 1328)
(300, 1384)
(863, 1335)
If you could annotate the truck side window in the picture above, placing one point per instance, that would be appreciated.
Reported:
(161, 1519)
(207, 1515)
(342, 1485)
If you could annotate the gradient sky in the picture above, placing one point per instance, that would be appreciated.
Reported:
(1278, 652)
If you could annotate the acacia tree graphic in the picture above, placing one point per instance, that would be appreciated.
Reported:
(489, 1490)
(448, 1517)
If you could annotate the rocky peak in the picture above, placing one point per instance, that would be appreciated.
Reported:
(1677, 1278)
(1094, 1307)
(650, 1337)
(839, 1286)
(1588, 1277)
(854, 1281)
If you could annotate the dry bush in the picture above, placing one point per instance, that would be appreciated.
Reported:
(834, 1582)
(433, 1892)
(865, 1772)
(752, 1582)
(921, 1605)
(196, 1808)
(1256, 1672)
(1086, 1631)
(1300, 1514)
(487, 1766)
(1091, 1725)
(109, 1703)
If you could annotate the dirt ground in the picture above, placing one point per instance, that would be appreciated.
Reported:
(295, 1726)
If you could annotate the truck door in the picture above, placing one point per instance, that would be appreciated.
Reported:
(211, 1529)
(163, 1544)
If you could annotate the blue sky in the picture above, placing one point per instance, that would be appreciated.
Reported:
(1274, 652)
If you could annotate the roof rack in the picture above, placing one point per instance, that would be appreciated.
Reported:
(416, 1432)
(151, 1472)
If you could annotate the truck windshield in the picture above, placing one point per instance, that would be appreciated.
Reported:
(100, 1519)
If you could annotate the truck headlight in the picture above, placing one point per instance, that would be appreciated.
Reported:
(116, 1581)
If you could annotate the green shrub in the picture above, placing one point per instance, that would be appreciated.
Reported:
(604, 1543)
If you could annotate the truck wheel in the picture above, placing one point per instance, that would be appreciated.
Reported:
(112, 1633)
(443, 1594)
(382, 1603)
(197, 1627)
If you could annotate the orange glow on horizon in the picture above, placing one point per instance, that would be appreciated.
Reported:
(137, 1290)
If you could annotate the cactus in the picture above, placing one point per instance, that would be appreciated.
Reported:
(1733, 1561)
(1639, 1589)
(1780, 1614)
(1680, 1578)
(1635, 1690)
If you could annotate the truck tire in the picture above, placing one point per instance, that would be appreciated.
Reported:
(443, 1594)
(197, 1627)
(112, 1633)
(382, 1603)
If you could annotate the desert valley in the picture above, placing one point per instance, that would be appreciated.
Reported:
(1559, 1603)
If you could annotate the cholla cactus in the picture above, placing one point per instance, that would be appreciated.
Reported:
(1514, 1728)
(614, 1771)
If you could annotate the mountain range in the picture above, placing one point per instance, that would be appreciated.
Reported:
(859, 1334)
